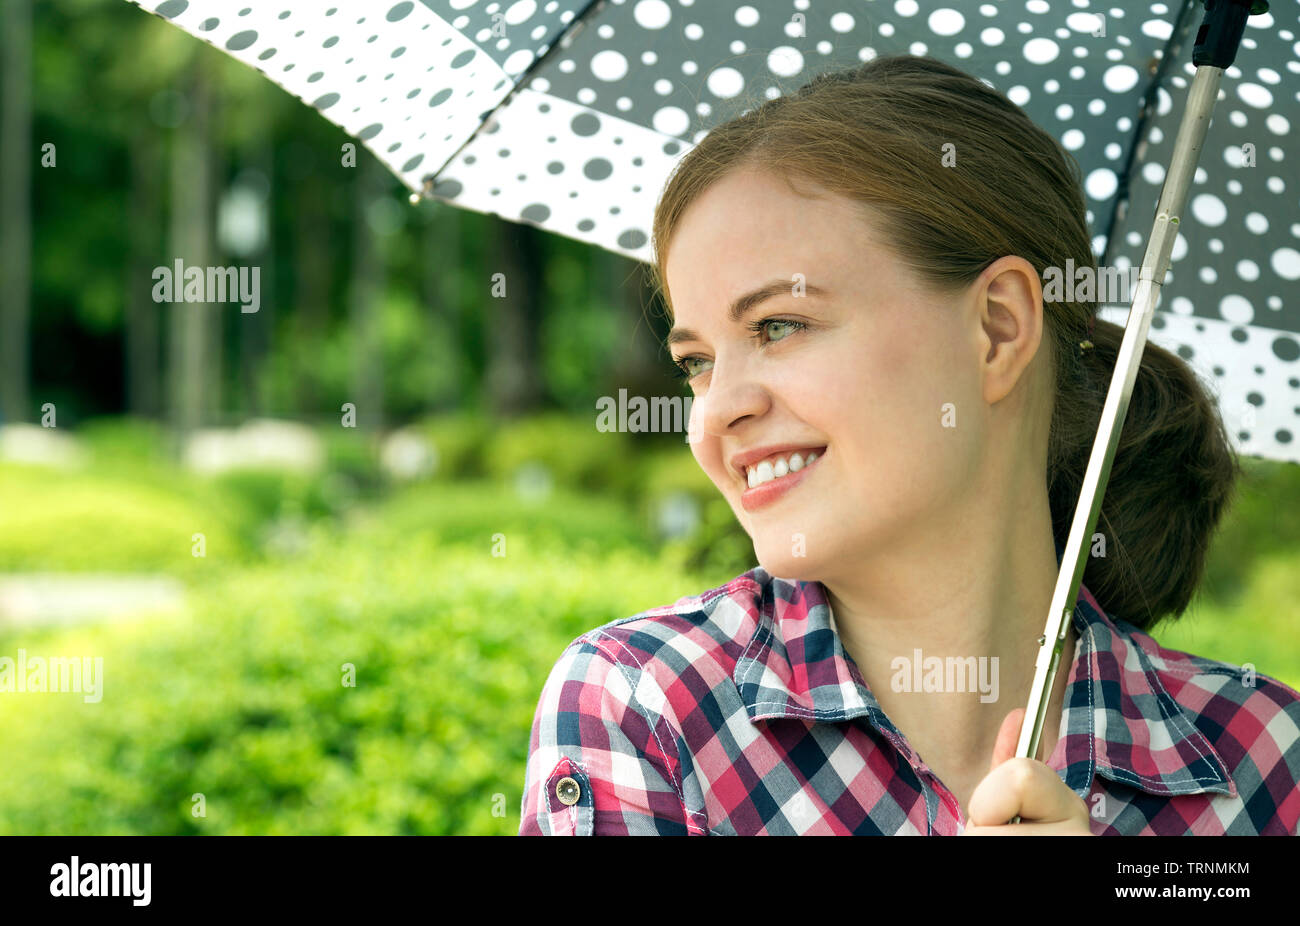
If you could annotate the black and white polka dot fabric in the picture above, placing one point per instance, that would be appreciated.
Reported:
(570, 115)
(1229, 303)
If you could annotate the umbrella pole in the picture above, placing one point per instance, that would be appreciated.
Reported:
(1217, 41)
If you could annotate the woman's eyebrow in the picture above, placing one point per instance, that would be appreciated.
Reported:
(744, 304)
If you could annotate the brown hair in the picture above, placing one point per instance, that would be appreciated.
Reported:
(876, 134)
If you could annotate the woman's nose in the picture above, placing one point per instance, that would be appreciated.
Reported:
(732, 396)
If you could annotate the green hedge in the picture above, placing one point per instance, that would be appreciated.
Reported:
(79, 520)
(474, 513)
(243, 703)
(572, 450)
(460, 440)
(126, 510)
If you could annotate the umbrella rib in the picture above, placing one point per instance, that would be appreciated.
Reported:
(575, 26)
(1174, 43)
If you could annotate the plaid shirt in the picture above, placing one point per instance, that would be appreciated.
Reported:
(738, 712)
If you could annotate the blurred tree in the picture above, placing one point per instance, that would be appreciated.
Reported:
(15, 209)
(255, 329)
(153, 128)
(143, 315)
(439, 259)
(366, 293)
(190, 363)
(514, 374)
(311, 245)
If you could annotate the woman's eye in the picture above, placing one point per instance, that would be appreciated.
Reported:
(785, 327)
(776, 329)
(686, 365)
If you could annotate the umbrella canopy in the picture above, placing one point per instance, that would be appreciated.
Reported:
(570, 115)
(1225, 308)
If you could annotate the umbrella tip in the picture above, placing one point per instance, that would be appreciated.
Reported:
(426, 189)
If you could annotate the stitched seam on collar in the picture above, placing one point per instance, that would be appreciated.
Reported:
(727, 590)
(1177, 716)
(925, 793)
(758, 630)
(791, 710)
(1092, 713)
(1128, 776)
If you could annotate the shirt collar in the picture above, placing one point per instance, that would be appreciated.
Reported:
(1121, 722)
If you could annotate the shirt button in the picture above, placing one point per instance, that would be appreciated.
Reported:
(567, 790)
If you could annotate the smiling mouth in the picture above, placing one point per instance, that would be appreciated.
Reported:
(779, 465)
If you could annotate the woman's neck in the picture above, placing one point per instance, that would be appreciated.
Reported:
(947, 642)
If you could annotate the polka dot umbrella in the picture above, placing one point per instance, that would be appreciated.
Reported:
(570, 115)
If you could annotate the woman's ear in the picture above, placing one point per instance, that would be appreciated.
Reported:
(1009, 303)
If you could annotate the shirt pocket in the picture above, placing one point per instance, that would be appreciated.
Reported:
(569, 800)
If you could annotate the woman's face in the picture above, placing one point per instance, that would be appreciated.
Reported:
(876, 376)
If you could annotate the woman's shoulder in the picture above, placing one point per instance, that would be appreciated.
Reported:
(1241, 684)
(1246, 715)
(613, 711)
(708, 631)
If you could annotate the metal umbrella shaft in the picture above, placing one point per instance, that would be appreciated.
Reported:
(1155, 263)
(1216, 47)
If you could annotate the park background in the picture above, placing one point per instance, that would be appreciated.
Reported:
(323, 544)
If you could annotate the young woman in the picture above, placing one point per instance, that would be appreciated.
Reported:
(901, 422)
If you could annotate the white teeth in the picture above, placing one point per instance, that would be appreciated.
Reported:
(768, 470)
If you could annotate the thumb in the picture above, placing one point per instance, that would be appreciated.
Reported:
(1008, 736)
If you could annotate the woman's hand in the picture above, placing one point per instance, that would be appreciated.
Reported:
(1026, 787)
